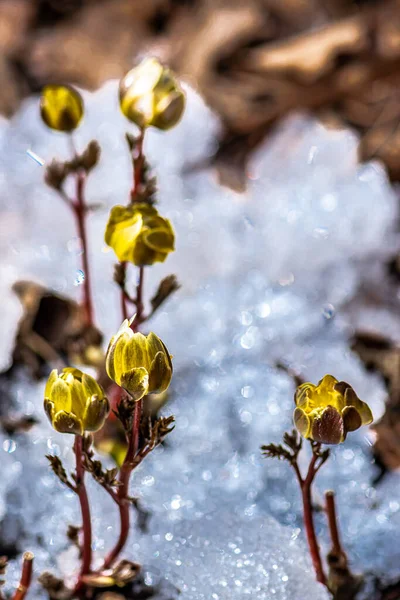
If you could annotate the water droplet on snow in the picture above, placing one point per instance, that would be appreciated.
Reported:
(80, 277)
(9, 446)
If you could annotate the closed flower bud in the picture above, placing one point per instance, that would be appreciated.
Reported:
(327, 412)
(149, 95)
(138, 234)
(61, 107)
(139, 364)
(75, 402)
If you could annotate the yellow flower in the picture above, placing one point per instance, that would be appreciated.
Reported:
(149, 95)
(61, 107)
(139, 235)
(327, 412)
(75, 402)
(139, 364)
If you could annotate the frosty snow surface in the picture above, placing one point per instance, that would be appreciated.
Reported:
(266, 276)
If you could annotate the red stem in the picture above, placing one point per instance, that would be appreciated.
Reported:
(85, 510)
(80, 212)
(124, 303)
(137, 166)
(123, 489)
(309, 521)
(332, 522)
(137, 177)
(134, 435)
(139, 301)
(26, 577)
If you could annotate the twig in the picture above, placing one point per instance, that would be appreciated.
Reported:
(26, 577)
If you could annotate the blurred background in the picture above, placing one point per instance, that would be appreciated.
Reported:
(252, 61)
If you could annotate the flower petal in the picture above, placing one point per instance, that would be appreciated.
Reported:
(136, 382)
(160, 373)
(135, 353)
(65, 422)
(351, 418)
(159, 240)
(60, 395)
(96, 413)
(52, 378)
(48, 409)
(328, 427)
(302, 422)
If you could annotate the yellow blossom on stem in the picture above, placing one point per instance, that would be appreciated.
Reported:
(61, 107)
(74, 402)
(138, 363)
(138, 234)
(150, 96)
(327, 412)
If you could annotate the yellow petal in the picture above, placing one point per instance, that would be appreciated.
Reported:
(327, 383)
(365, 413)
(135, 353)
(97, 410)
(351, 418)
(169, 110)
(61, 107)
(302, 422)
(160, 373)
(136, 382)
(52, 378)
(78, 398)
(65, 422)
(159, 240)
(91, 387)
(49, 409)
(60, 395)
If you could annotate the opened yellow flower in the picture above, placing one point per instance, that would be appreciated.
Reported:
(75, 402)
(138, 234)
(139, 364)
(327, 412)
(150, 95)
(61, 107)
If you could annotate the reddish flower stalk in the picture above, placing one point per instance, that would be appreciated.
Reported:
(138, 160)
(137, 166)
(26, 577)
(80, 212)
(85, 510)
(123, 489)
(133, 437)
(332, 523)
(306, 486)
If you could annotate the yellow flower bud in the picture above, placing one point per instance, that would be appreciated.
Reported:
(61, 107)
(75, 402)
(138, 234)
(149, 95)
(139, 364)
(327, 412)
